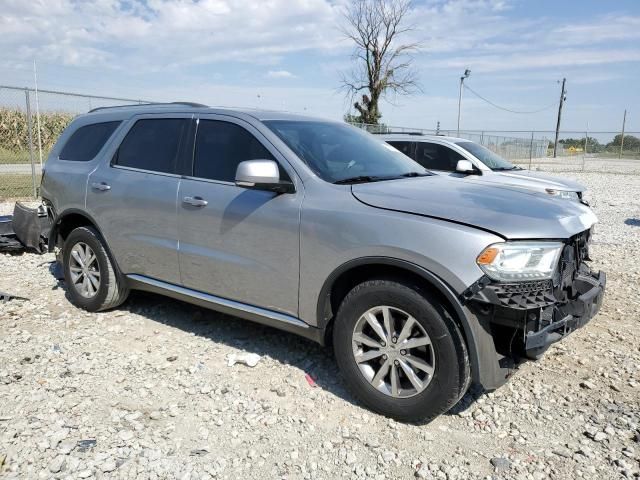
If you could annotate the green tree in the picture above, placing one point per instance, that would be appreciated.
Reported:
(631, 142)
(351, 118)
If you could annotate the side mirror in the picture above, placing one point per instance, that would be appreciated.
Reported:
(261, 175)
(465, 166)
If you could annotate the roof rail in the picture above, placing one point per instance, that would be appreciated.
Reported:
(188, 104)
(397, 133)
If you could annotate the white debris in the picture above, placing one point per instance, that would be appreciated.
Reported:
(249, 359)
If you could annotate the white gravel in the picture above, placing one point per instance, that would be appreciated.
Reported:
(145, 391)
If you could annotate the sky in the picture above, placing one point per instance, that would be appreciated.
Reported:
(290, 54)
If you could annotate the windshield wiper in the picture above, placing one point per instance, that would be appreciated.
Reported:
(504, 169)
(357, 179)
(415, 174)
(373, 178)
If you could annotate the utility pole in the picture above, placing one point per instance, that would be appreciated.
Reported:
(624, 120)
(466, 74)
(563, 97)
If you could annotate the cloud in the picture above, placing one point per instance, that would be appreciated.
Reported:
(280, 74)
(165, 34)
(610, 28)
(540, 60)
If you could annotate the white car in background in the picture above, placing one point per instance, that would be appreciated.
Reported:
(458, 157)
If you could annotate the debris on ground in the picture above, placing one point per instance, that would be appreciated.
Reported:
(5, 297)
(310, 380)
(84, 445)
(249, 359)
(26, 229)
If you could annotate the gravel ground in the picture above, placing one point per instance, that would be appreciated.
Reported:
(590, 164)
(145, 391)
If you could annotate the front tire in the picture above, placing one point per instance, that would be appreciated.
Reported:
(400, 352)
(92, 281)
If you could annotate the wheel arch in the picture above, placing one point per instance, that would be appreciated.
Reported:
(68, 220)
(353, 272)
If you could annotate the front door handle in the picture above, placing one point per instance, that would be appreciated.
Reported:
(103, 187)
(195, 201)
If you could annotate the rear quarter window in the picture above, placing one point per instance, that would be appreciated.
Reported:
(152, 145)
(85, 143)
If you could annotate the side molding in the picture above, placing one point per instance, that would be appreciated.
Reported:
(248, 312)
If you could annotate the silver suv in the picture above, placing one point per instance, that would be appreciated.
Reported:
(472, 162)
(422, 284)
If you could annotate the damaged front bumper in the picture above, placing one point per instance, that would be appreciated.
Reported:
(524, 318)
(564, 319)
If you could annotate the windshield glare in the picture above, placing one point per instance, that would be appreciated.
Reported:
(337, 151)
(486, 156)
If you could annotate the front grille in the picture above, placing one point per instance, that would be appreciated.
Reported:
(524, 295)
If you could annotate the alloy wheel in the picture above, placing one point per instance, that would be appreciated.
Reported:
(84, 270)
(393, 351)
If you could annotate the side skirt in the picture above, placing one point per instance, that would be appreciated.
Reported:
(230, 307)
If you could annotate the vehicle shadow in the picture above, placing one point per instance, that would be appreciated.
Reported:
(283, 347)
(286, 348)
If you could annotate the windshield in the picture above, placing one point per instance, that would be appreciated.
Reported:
(342, 153)
(486, 156)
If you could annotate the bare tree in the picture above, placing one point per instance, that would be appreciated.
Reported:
(382, 64)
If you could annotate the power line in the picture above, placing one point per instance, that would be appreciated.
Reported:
(507, 109)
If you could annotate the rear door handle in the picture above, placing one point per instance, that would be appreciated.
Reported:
(195, 201)
(103, 187)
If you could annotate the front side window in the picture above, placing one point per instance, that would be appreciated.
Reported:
(437, 157)
(221, 146)
(486, 156)
(85, 143)
(152, 144)
(340, 153)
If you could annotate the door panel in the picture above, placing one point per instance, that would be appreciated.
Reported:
(136, 208)
(243, 244)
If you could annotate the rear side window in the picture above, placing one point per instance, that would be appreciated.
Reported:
(152, 144)
(221, 146)
(404, 147)
(85, 143)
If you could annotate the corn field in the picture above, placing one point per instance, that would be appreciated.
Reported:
(14, 133)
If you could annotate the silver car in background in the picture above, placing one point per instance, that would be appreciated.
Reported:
(473, 162)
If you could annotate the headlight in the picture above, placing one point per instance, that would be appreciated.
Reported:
(566, 194)
(520, 261)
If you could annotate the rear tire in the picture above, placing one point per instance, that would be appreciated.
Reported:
(89, 272)
(432, 370)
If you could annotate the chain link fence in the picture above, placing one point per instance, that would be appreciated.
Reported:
(603, 152)
(31, 122)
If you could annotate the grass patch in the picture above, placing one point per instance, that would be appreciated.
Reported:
(20, 156)
(16, 186)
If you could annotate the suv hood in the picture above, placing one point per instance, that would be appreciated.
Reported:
(540, 181)
(510, 212)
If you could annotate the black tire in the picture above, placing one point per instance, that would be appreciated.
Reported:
(112, 291)
(451, 377)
